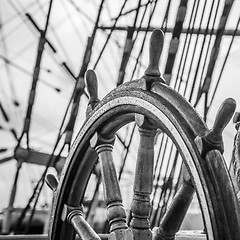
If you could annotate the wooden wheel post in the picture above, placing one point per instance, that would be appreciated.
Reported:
(143, 181)
(112, 194)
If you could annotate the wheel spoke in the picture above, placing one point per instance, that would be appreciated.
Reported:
(200, 149)
(74, 216)
(143, 181)
(112, 193)
(173, 218)
(82, 227)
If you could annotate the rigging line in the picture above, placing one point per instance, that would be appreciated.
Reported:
(23, 17)
(129, 43)
(23, 70)
(23, 213)
(174, 43)
(170, 186)
(15, 16)
(92, 21)
(79, 35)
(208, 46)
(187, 42)
(224, 63)
(165, 187)
(141, 22)
(53, 31)
(9, 73)
(185, 49)
(137, 34)
(164, 191)
(69, 17)
(76, 98)
(7, 119)
(108, 10)
(88, 50)
(126, 153)
(42, 40)
(20, 52)
(205, 107)
(133, 9)
(31, 199)
(78, 9)
(26, 230)
(165, 19)
(78, 92)
(156, 176)
(4, 113)
(109, 71)
(144, 38)
(201, 51)
(79, 86)
(202, 47)
(137, 13)
(138, 59)
(19, 14)
(194, 55)
(39, 186)
(109, 35)
(13, 97)
(158, 154)
(162, 150)
(27, 119)
(216, 46)
(42, 179)
(139, 66)
(92, 206)
(104, 31)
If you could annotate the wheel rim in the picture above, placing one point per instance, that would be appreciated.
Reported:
(120, 103)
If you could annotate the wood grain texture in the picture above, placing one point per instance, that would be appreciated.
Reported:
(112, 193)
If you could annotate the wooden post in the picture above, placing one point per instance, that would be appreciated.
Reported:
(143, 182)
(112, 194)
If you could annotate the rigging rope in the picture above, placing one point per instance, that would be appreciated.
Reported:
(186, 46)
(144, 38)
(27, 120)
(215, 50)
(224, 63)
(173, 47)
(75, 100)
(109, 35)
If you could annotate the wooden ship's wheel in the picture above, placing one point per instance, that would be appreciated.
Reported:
(152, 105)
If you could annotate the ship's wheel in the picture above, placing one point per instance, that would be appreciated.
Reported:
(152, 105)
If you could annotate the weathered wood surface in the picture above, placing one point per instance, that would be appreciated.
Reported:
(113, 198)
(173, 218)
(162, 106)
(81, 226)
(213, 138)
(143, 181)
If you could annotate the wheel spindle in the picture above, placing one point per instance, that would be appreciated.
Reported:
(143, 181)
(173, 218)
(52, 182)
(155, 50)
(112, 194)
(74, 216)
(213, 138)
(92, 87)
